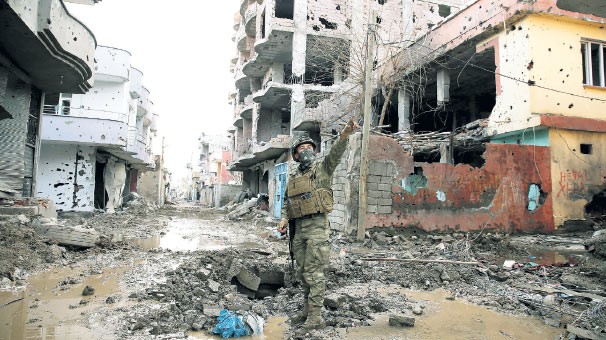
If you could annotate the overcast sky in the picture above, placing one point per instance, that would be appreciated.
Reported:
(183, 48)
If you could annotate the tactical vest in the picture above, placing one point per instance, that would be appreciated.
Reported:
(304, 198)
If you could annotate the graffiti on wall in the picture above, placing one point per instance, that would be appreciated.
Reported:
(572, 184)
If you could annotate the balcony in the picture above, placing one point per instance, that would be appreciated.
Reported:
(242, 81)
(256, 67)
(274, 95)
(154, 123)
(43, 40)
(272, 148)
(250, 20)
(242, 42)
(87, 127)
(113, 64)
(136, 83)
(277, 44)
(141, 153)
(143, 103)
(312, 116)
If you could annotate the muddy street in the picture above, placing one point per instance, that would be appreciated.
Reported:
(166, 273)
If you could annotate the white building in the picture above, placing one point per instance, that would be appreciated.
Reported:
(94, 145)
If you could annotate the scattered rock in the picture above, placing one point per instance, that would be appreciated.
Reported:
(88, 290)
(401, 321)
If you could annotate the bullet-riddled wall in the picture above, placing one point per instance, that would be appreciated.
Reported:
(66, 175)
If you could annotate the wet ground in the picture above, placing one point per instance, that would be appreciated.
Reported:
(156, 279)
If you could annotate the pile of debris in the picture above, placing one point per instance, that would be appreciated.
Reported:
(468, 136)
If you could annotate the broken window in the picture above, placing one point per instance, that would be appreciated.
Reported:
(285, 9)
(536, 197)
(319, 71)
(594, 63)
(414, 181)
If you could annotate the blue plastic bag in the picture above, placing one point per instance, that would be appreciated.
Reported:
(230, 325)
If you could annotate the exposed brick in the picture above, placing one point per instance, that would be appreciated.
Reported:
(385, 201)
(385, 187)
(372, 186)
(385, 194)
(372, 209)
(386, 180)
(375, 193)
(384, 209)
(372, 200)
(373, 179)
(390, 169)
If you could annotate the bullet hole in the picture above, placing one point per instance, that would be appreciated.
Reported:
(527, 36)
(316, 28)
(558, 104)
(431, 9)
(338, 7)
(513, 27)
(48, 21)
(549, 49)
(511, 107)
(519, 28)
(102, 136)
(561, 69)
(59, 169)
(75, 38)
(381, 2)
(570, 106)
(530, 65)
(531, 82)
(59, 185)
(81, 172)
(379, 20)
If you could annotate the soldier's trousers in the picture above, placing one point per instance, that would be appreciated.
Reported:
(312, 250)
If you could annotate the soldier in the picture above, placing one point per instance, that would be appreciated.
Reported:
(308, 200)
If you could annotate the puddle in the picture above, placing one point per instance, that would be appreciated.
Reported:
(555, 258)
(48, 312)
(274, 329)
(191, 235)
(454, 319)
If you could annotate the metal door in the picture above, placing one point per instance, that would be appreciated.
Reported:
(280, 173)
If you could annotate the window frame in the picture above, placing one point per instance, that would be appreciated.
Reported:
(588, 65)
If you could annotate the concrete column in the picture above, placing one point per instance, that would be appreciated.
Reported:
(299, 39)
(256, 115)
(443, 85)
(276, 122)
(255, 85)
(338, 73)
(403, 110)
(114, 177)
(277, 73)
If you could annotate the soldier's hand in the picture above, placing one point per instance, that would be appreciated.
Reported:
(350, 127)
(283, 226)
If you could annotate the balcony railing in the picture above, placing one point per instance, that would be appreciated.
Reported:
(84, 113)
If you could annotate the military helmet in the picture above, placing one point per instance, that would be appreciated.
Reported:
(301, 140)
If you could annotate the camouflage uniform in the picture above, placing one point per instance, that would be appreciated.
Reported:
(310, 244)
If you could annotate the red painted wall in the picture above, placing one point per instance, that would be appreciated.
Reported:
(494, 196)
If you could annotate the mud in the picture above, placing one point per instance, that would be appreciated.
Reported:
(166, 272)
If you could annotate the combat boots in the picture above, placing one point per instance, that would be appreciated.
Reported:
(314, 319)
(301, 317)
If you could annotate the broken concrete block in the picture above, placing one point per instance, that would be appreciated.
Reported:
(212, 310)
(248, 279)
(334, 301)
(202, 273)
(213, 286)
(401, 321)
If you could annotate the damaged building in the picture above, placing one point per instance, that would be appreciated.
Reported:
(43, 49)
(485, 114)
(95, 145)
(217, 185)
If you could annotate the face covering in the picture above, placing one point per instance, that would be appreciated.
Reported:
(306, 157)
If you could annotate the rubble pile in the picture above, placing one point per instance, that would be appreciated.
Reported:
(23, 251)
(473, 133)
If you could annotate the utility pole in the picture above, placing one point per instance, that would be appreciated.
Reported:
(370, 58)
